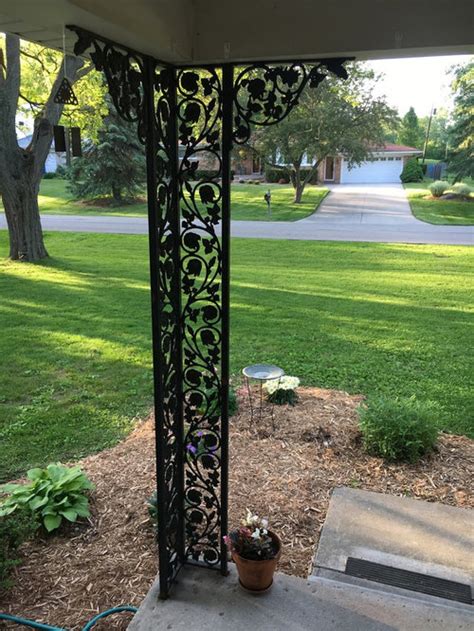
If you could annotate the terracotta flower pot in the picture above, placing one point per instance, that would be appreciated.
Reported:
(257, 576)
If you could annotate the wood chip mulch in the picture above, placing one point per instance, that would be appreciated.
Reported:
(286, 474)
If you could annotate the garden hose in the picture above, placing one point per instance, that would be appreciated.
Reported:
(46, 627)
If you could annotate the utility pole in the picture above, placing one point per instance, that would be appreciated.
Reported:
(427, 136)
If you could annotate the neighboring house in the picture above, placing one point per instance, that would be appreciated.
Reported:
(384, 166)
(53, 161)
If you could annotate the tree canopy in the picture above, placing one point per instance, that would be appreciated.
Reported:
(411, 132)
(461, 131)
(338, 117)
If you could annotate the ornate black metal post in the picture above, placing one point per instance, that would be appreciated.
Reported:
(165, 276)
(188, 118)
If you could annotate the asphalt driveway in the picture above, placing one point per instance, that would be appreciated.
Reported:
(351, 212)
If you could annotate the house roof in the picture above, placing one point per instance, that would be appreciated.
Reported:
(399, 148)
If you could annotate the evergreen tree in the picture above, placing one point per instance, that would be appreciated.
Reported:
(461, 132)
(411, 133)
(113, 166)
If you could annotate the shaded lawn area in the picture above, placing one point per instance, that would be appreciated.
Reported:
(55, 199)
(363, 317)
(247, 202)
(438, 211)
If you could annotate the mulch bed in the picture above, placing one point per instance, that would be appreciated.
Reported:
(287, 474)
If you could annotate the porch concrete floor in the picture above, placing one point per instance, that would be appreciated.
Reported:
(204, 600)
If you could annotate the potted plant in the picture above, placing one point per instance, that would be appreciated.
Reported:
(256, 551)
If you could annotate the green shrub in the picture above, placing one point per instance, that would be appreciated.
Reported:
(438, 188)
(398, 429)
(412, 172)
(15, 529)
(461, 189)
(50, 175)
(273, 175)
(51, 494)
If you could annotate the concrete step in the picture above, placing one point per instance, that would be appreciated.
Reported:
(204, 600)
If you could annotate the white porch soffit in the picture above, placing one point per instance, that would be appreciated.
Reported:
(199, 31)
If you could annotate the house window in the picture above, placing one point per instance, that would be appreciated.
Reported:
(397, 158)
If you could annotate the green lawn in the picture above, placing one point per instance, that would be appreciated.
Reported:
(247, 202)
(438, 211)
(75, 343)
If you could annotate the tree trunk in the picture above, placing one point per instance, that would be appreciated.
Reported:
(21, 170)
(299, 189)
(117, 194)
(20, 200)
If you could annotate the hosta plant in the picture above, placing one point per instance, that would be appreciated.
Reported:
(51, 494)
(283, 390)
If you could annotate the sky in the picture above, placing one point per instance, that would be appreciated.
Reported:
(421, 82)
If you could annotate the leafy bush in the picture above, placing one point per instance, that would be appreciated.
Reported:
(274, 175)
(207, 174)
(15, 529)
(51, 494)
(412, 172)
(438, 188)
(398, 429)
(51, 175)
(61, 171)
(463, 190)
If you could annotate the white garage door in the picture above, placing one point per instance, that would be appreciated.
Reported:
(373, 171)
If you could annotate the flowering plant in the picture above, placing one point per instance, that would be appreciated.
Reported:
(252, 540)
(281, 391)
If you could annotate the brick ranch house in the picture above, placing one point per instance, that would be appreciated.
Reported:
(384, 165)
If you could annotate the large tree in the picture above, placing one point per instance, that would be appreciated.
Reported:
(21, 169)
(337, 117)
(461, 132)
(411, 132)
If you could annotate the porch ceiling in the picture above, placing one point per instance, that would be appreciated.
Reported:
(198, 31)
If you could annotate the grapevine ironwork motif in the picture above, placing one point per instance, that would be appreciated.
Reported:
(190, 319)
(128, 83)
(199, 132)
(265, 94)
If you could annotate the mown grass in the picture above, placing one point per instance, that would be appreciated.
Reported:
(438, 211)
(247, 202)
(75, 357)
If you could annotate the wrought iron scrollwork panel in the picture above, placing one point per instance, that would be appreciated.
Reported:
(199, 132)
(187, 119)
(144, 92)
(265, 94)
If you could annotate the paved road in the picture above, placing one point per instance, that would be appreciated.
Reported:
(361, 212)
